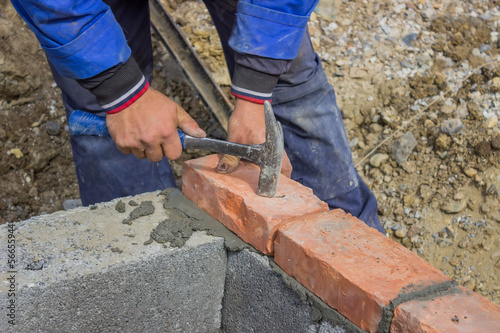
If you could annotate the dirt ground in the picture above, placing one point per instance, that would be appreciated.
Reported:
(405, 82)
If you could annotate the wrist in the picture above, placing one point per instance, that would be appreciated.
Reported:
(118, 87)
(251, 85)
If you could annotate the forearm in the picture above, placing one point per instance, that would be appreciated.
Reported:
(83, 41)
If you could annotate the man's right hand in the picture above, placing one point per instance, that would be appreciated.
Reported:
(148, 127)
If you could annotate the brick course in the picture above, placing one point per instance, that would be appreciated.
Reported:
(232, 200)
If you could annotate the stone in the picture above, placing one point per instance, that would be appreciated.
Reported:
(329, 254)
(120, 206)
(483, 148)
(410, 38)
(453, 207)
(72, 203)
(400, 233)
(495, 142)
(377, 160)
(414, 230)
(443, 142)
(16, 152)
(232, 200)
(403, 147)
(451, 126)
(461, 310)
(40, 159)
(491, 121)
(52, 127)
(470, 172)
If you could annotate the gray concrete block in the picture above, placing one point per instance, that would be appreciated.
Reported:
(257, 300)
(85, 271)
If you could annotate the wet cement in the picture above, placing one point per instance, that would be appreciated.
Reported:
(180, 207)
(144, 209)
(412, 293)
(120, 207)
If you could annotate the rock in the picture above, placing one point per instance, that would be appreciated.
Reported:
(443, 142)
(451, 126)
(470, 172)
(71, 203)
(3, 134)
(483, 148)
(120, 207)
(403, 147)
(428, 14)
(33, 192)
(357, 73)
(495, 84)
(495, 142)
(40, 159)
(410, 38)
(377, 159)
(201, 33)
(470, 284)
(16, 152)
(459, 196)
(52, 127)
(485, 208)
(400, 233)
(455, 261)
(491, 121)
(495, 254)
(414, 230)
(453, 207)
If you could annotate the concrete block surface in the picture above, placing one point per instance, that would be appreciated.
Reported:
(232, 200)
(258, 300)
(85, 270)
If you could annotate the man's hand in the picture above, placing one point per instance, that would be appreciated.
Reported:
(247, 125)
(148, 127)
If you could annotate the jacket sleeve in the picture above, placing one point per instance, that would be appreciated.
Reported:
(84, 42)
(266, 38)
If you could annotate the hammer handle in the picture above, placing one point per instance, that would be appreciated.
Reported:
(85, 123)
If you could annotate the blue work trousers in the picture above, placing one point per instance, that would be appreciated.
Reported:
(303, 102)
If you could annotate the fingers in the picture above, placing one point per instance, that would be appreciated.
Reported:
(188, 125)
(227, 164)
(139, 153)
(286, 166)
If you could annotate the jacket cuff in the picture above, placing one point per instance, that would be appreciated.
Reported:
(252, 85)
(118, 87)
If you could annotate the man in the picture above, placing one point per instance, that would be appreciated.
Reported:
(101, 57)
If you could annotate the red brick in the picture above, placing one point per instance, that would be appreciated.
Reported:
(352, 267)
(471, 312)
(232, 200)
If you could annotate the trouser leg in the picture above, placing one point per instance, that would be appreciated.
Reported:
(315, 139)
(103, 172)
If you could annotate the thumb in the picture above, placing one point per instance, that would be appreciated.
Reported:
(187, 124)
(227, 164)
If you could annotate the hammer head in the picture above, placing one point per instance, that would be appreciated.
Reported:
(271, 156)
